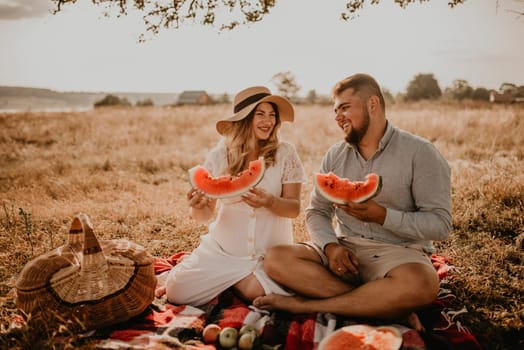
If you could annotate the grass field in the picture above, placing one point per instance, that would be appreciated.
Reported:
(127, 169)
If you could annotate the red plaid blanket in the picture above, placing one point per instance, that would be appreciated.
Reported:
(166, 326)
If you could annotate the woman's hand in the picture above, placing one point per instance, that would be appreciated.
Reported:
(197, 199)
(258, 198)
(201, 208)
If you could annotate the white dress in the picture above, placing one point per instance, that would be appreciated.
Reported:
(237, 240)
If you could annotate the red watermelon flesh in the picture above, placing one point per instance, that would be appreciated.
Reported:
(342, 191)
(363, 337)
(227, 186)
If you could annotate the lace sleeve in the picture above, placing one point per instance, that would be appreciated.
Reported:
(215, 161)
(293, 170)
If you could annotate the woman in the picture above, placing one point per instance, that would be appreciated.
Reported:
(232, 253)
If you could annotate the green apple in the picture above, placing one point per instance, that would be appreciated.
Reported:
(249, 329)
(228, 337)
(247, 340)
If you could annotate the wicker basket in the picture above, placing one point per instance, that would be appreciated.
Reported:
(95, 284)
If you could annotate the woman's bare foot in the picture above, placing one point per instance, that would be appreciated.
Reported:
(160, 291)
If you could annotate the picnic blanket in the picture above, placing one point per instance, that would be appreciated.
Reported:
(167, 326)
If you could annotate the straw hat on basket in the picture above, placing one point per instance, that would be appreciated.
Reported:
(96, 284)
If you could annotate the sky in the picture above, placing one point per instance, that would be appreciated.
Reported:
(78, 49)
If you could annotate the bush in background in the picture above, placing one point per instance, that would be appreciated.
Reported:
(112, 100)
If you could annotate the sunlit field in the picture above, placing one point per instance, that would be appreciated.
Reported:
(127, 169)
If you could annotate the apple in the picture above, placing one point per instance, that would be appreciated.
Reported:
(249, 329)
(247, 340)
(228, 337)
(211, 333)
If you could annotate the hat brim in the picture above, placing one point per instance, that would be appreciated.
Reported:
(286, 112)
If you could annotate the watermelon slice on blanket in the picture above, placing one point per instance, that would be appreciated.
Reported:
(226, 186)
(363, 337)
(342, 191)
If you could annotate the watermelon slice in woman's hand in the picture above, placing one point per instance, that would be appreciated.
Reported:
(227, 186)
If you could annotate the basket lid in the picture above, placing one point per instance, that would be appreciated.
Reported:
(85, 269)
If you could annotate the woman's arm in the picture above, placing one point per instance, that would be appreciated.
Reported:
(287, 205)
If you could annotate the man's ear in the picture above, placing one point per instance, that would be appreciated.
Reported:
(373, 103)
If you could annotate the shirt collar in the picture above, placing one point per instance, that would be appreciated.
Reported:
(387, 136)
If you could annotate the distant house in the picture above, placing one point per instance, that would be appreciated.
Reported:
(197, 97)
(500, 97)
(507, 93)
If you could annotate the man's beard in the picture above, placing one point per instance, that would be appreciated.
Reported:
(356, 134)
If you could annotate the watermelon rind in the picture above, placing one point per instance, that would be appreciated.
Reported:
(374, 193)
(341, 201)
(239, 192)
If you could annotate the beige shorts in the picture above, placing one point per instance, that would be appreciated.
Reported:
(377, 258)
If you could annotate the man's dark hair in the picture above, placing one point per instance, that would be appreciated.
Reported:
(363, 85)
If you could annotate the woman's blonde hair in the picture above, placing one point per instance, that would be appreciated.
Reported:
(239, 146)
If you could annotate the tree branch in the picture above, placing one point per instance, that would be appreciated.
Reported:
(226, 14)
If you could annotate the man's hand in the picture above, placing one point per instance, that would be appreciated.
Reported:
(342, 262)
(368, 211)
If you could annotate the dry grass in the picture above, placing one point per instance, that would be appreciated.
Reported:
(127, 168)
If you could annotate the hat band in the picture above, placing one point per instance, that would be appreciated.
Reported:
(251, 99)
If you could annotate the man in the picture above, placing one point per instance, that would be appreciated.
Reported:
(374, 263)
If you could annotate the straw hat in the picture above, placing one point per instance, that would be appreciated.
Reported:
(246, 100)
(95, 283)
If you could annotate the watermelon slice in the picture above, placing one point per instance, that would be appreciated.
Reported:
(227, 186)
(360, 337)
(342, 191)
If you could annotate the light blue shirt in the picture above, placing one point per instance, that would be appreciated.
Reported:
(416, 192)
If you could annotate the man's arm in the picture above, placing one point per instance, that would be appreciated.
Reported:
(320, 211)
(431, 192)
(319, 220)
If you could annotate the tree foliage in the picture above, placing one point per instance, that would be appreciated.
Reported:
(225, 14)
(286, 84)
(353, 6)
(157, 14)
(145, 103)
(311, 96)
(480, 94)
(388, 96)
(460, 90)
(423, 87)
(112, 100)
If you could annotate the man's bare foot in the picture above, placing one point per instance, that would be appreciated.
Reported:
(291, 304)
(413, 321)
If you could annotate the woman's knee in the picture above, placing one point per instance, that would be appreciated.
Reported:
(249, 288)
